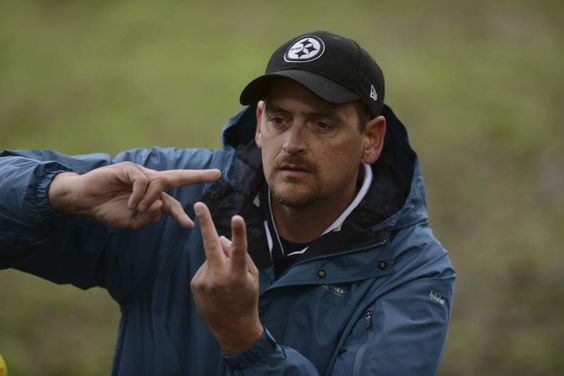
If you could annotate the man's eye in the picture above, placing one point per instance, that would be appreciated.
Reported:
(323, 126)
(277, 120)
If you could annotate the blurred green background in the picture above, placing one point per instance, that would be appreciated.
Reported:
(479, 85)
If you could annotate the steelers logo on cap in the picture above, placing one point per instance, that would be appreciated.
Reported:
(304, 50)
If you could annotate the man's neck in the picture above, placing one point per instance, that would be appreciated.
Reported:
(305, 224)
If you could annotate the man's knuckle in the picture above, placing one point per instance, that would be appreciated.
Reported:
(233, 280)
(154, 180)
(141, 179)
(218, 285)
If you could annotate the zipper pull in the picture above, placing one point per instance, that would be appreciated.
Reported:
(368, 319)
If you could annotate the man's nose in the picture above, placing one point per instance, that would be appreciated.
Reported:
(295, 142)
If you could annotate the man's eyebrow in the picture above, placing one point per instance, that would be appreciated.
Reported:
(333, 115)
(274, 108)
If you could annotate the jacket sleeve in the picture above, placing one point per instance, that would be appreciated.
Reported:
(403, 330)
(406, 333)
(70, 249)
(266, 357)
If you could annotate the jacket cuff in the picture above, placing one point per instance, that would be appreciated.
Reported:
(41, 202)
(263, 347)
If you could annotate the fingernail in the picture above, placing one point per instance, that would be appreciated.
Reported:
(198, 208)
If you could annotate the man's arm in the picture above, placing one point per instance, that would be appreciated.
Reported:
(405, 333)
(37, 238)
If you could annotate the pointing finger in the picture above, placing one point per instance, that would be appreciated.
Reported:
(178, 178)
(162, 180)
(212, 246)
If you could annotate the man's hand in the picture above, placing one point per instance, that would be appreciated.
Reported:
(125, 195)
(226, 287)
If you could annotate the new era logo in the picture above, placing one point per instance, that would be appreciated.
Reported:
(373, 93)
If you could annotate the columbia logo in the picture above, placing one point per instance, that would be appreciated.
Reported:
(437, 298)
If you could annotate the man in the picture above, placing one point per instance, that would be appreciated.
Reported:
(312, 255)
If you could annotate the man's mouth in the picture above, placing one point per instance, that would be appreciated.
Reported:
(294, 171)
(291, 167)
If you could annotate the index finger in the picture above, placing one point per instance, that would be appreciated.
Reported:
(212, 246)
(178, 178)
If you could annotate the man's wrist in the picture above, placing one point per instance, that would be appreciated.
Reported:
(241, 341)
(265, 346)
(60, 193)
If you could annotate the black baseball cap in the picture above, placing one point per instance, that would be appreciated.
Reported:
(333, 67)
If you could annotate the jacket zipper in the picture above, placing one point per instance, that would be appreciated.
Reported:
(368, 319)
(368, 315)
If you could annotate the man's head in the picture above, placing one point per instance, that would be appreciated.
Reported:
(318, 118)
(333, 67)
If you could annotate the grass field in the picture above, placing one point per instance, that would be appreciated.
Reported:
(478, 84)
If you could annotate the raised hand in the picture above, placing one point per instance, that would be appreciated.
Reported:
(226, 287)
(125, 195)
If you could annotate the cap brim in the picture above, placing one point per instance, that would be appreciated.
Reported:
(324, 88)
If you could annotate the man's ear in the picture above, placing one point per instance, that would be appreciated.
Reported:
(260, 111)
(374, 133)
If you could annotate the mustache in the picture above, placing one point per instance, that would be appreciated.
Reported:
(294, 162)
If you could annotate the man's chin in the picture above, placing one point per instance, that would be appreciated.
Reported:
(293, 198)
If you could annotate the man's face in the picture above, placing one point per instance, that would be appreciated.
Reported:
(311, 149)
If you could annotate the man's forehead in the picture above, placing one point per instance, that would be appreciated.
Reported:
(284, 93)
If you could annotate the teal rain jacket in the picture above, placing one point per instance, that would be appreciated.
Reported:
(371, 299)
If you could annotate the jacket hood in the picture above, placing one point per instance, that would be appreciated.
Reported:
(396, 198)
